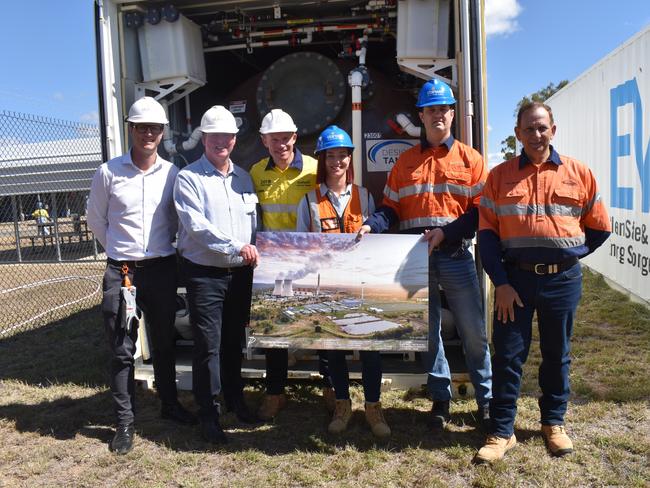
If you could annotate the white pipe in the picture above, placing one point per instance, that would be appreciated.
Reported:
(193, 140)
(466, 92)
(301, 30)
(168, 141)
(361, 53)
(251, 45)
(355, 79)
(304, 30)
(188, 115)
(408, 126)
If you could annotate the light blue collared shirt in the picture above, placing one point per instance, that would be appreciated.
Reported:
(217, 213)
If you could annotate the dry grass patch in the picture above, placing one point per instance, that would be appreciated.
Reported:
(56, 421)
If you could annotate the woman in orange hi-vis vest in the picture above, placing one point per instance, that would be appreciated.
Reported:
(337, 205)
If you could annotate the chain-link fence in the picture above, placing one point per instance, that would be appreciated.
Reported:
(50, 264)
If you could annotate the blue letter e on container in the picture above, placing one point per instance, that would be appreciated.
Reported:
(622, 197)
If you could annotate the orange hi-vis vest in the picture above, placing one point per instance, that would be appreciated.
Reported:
(433, 186)
(542, 206)
(325, 219)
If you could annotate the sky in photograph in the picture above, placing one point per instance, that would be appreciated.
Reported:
(340, 260)
(49, 69)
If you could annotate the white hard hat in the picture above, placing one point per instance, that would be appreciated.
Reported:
(218, 119)
(277, 120)
(146, 110)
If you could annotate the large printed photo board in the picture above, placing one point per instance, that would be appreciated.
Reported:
(330, 291)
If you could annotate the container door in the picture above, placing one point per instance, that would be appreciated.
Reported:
(108, 78)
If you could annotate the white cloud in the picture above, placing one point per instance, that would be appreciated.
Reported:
(501, 17)
(92, 117)
(493, 159)
(489, 128)
(58, 96)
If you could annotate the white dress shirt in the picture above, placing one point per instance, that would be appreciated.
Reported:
(131, 212)
(217, 213)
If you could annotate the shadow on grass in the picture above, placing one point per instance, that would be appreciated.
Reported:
(72, 350)
(73, 354)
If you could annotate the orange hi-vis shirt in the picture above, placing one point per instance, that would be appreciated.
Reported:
(433, 186)
(325, 219)
(545, 213)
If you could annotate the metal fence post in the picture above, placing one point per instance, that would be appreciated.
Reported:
(16, 228)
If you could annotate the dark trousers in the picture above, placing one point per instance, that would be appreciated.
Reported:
(554, 298)
(370, 374)
(156, 297)
(219, 303)
(277, 370)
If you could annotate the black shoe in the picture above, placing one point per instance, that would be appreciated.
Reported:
(177, 413)
(439, 414)
(483, 416)
(212, 432)
(240, 409)
(123, 440)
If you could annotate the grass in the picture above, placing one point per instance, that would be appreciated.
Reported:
(56, 419)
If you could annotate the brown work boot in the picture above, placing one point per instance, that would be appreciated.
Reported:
(341, 417)
(271, 406)
(329, 398)
(494, 449)
(375, 419)
(556, 440)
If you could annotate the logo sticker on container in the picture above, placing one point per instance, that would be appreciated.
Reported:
(237, 107)
(382, 154)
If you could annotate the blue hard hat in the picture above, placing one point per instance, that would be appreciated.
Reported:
(333, 137)
(435, 92)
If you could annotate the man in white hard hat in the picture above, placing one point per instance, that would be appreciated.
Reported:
(217, 210)
(131, 212)
(281, 180)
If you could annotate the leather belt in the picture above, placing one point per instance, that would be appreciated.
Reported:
(543, 268)
(142, 263)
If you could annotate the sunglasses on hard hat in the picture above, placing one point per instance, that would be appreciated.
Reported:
(155, 129)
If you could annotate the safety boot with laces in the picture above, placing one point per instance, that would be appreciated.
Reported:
(556, 439)
(341, 417)
(271, 406)
(495, 449)
(375, 419)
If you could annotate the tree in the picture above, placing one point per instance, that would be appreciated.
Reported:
(508, 145)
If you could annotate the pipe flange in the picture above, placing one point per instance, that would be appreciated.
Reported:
(365, 75)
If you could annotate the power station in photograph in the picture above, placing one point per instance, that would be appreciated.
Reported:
(283, 288)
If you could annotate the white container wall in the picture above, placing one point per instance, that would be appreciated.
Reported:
(171, 49)
(603, 119)
(423, 28)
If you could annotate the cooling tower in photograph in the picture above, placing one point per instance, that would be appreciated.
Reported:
(277, 289)
(287, 288)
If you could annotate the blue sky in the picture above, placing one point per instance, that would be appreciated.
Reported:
(48, 53)
(48, 59)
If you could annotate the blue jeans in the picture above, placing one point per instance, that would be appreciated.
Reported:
(370, 374)
(455, 272)
(554, 298)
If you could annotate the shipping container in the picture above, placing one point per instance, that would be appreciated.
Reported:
(356, 64)
(603, 119)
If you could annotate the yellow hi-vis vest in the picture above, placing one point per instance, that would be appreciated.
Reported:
(279, 192)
